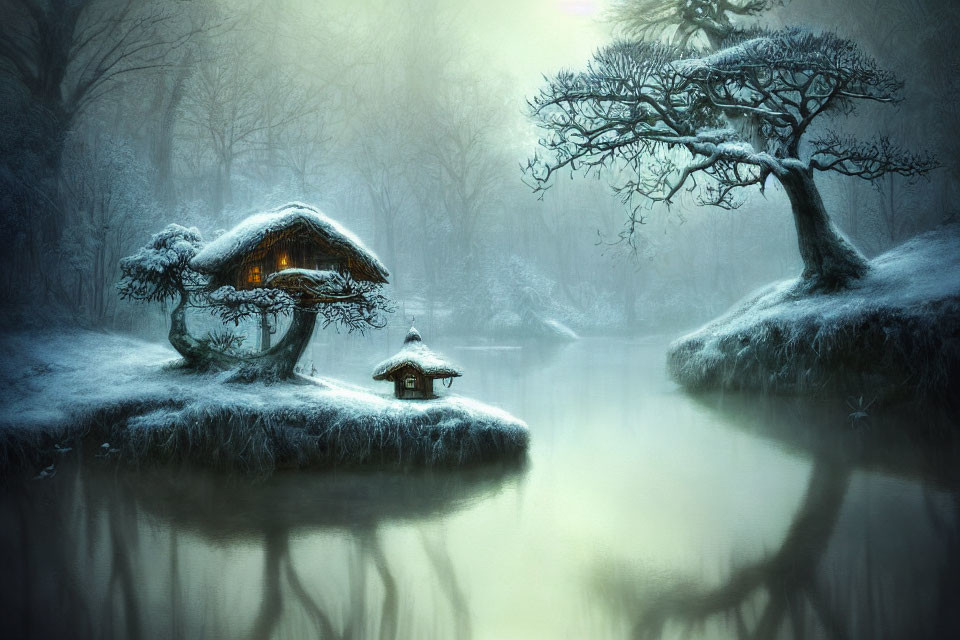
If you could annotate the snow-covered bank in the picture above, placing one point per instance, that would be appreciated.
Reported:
(895, 333)
(129, 394)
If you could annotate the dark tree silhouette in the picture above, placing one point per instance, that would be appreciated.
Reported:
(66, 53)
(63, 55)
(659, 119)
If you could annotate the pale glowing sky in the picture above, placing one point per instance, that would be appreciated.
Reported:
(509, 44)
(529, 38)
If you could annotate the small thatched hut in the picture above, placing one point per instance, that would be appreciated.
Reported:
(294, 236)
(414, 368)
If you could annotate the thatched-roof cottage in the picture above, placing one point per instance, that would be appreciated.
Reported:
(414, 368)
(294, 236)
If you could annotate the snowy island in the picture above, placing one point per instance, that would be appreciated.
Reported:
(128, 399)
(893, 333)
(224, 406)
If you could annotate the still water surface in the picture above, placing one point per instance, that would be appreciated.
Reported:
(641, 512)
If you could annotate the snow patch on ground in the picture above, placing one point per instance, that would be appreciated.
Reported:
(131, 394)
(559, 330)
(896, 330)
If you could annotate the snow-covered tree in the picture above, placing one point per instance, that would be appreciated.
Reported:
(659, 117)
(161, 271)
(684, 22)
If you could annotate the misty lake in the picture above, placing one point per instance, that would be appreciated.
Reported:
(642, 511)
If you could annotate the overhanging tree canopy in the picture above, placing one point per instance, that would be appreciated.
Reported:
(667, 121)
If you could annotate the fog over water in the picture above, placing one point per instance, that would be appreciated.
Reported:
(641, 510)
(638, 503)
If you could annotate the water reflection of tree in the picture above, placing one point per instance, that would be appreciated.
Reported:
(278, 565)
(436, 550)
(787, 593)
(98, 515)
(40, 585)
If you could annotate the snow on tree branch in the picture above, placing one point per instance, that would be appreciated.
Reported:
(233, 305)
(662, 121)
(160, 270)
(364, 309)
(631, 111)
(785, 79)
(338, 299)
(313, 284)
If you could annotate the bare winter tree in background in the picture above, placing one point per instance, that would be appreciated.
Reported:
(110, 191)
(66, 54)
(465, 160)
(169, 92)
(236, 111)
(60, 62)
(382, 159)
(302, 148)
(686, 22)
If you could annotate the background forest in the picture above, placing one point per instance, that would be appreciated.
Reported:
(407, 121)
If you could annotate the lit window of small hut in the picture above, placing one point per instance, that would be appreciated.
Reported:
(284, 261)
(254, 275)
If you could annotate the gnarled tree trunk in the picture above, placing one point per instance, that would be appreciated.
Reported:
(829, 261)
(277, 362)
(196, 354)
(265, 331)
(281, 358)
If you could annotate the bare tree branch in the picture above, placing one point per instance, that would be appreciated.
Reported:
(869, 159)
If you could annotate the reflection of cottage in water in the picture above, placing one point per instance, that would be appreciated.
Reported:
(414, 368)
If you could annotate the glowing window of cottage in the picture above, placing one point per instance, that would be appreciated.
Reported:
(254, 276)
(409, 382)
(284, 261)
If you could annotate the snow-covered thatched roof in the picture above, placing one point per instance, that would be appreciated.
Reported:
(416, 354)
(246, 236)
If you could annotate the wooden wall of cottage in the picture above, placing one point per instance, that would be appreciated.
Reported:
(288, 251)
(423, 388)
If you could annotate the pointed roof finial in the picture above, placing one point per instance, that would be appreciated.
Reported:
(412, 336)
